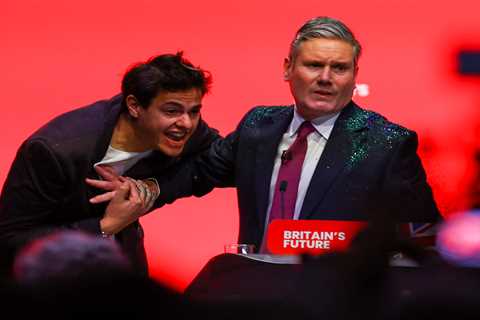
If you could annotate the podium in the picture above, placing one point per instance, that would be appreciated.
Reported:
(260, 277)
(332, 286)
(238, 277)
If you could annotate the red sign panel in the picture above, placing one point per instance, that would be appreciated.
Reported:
(311, 236)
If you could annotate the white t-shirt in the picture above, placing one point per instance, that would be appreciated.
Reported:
(120, 160)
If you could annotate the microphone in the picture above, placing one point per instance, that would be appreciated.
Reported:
(286, 156)
(282, 188)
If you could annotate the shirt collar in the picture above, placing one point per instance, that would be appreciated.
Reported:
(323, 124)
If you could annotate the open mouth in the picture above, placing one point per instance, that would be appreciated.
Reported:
(176, 136)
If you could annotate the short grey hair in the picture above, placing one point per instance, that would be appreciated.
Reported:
(328, 28)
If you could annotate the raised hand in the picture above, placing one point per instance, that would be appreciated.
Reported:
(125, 207)
(110, 183)
(148, 189)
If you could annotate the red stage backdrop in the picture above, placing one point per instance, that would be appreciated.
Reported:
(57, 55)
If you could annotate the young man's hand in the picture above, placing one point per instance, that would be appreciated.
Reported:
(125, 207)
(148, 189)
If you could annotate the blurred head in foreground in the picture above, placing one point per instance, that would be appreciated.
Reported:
(71, 274)
(68, 256)
(458, 239)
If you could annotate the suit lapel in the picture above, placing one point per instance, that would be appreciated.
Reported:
(147, 167)
(346, 138)
(270, 134)
(111, 114)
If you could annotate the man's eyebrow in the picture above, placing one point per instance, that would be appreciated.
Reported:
(177, 104)
(173, 103)
(345, 61)
(341, 63)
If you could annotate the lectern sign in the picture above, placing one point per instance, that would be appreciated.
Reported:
(311, 236)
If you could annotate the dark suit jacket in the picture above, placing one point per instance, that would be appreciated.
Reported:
(369, 167)
(45, 189)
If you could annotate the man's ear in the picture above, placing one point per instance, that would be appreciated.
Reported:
(133, 105)
(355, 71)
(287, 68)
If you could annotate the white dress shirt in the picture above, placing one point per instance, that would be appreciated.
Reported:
(316, 143)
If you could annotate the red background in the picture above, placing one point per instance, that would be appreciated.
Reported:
(57, 55)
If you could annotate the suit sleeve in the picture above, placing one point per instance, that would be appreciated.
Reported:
(198, 175)
(406, 184)
(33, 194)
(201, 140)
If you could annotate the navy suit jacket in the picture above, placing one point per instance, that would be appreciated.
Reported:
(369, 167)
(46, 191)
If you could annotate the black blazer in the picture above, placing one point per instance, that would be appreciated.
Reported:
(45, 189)
(369, 167)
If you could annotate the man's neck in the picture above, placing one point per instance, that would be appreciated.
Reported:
(126, 137)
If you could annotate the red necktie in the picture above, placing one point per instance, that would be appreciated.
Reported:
(286, 187)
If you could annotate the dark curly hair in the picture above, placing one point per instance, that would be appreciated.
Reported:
(167, 72)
